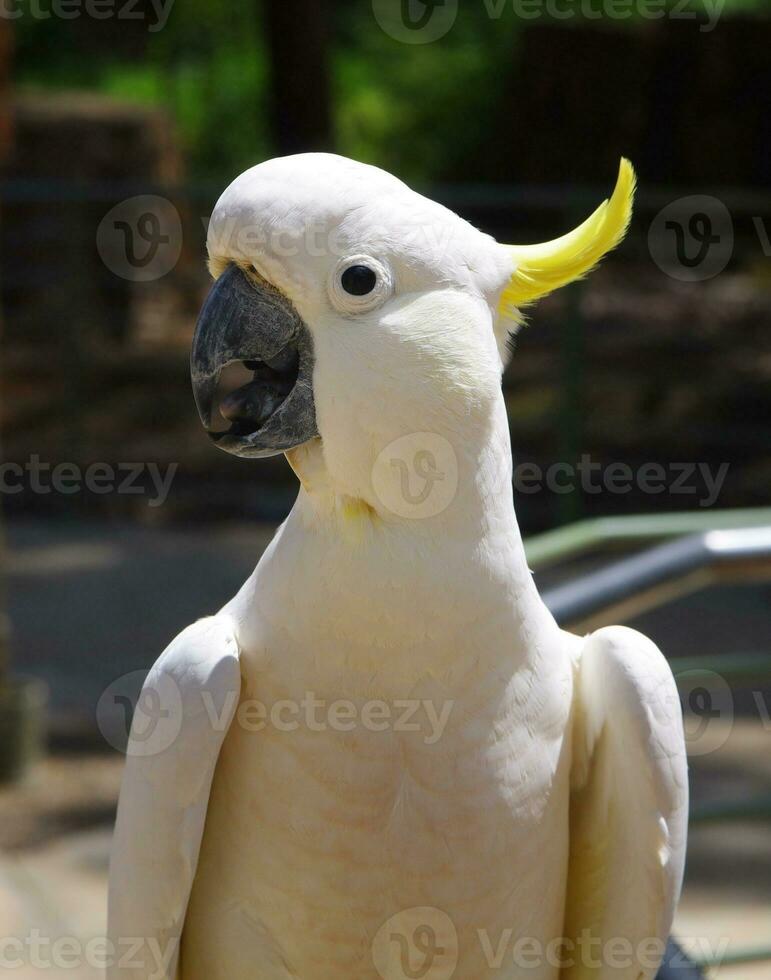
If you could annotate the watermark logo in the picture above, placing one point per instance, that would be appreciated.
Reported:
(708, 710)
(692, 238)
(38, 477)
(416, 944)
(140, 715)
(140, 239)
(416, 476)
(416, 21)
(145, 957)
(424, 948)
(320, 239)
(424, 718)
(91, 9)
(424, 21)
(589, 476)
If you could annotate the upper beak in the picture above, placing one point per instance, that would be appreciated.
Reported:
(243, 321)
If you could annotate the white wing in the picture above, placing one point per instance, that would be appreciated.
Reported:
(629, 809)
(181, 719)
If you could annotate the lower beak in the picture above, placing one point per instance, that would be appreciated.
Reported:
(258, 326)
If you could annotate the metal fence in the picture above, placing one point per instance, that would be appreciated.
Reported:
(702, 550)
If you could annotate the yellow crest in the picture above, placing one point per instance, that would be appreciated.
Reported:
(539, 269)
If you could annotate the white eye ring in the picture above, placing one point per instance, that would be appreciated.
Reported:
(350, 304)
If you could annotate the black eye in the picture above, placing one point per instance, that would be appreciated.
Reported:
(358, 280)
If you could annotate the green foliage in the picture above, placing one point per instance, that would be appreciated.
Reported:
(408, 107)
(208, 66)
(413, 108)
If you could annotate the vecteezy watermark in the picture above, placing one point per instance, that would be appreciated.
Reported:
(416, 944)
(425, 21)
(140, 239)
(317, 239)
(419, 943)
(764, 708)
(592, 477)
(99, 953)
(763, 236)
(416, 475)
(587, 950)
(708, 710)
(140, 715)
(93, 9)
(708, 11)
(42, 478)
(143, 715)
(415, 21)
(314, 714)
(424, 943)
(692, 238)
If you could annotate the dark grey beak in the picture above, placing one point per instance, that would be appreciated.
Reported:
(241, 321)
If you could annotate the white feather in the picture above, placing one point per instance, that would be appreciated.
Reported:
(164, 797)
(629, 810)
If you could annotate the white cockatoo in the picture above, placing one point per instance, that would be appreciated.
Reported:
(383, 758)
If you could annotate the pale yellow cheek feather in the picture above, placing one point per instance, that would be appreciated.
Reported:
(357, 519)
(356, 510)
(540, 269)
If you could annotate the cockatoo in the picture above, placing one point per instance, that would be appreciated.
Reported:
(383, 758)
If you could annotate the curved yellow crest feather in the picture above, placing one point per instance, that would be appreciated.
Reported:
(539, 269)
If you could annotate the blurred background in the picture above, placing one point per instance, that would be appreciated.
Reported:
(120, 124)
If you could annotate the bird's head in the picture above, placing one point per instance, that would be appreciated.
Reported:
(365, 311)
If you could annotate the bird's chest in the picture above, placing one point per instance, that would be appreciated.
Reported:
(333, 813)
